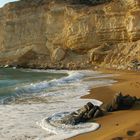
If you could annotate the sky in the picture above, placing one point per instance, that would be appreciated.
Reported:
(3, 2)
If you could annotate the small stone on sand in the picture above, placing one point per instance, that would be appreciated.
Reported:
(131, 133)
(117, 138)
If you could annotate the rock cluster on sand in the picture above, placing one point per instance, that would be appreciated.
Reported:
(89, 111)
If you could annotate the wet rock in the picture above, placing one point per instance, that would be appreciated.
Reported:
(6, 66)
(90, 111)
(84, 114)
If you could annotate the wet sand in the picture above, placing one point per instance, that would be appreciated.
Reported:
(120, 125)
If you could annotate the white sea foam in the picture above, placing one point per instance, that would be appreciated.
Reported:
(25, 121)
(67, 131)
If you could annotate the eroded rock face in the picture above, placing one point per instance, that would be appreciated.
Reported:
(58, 54)
(63, 34)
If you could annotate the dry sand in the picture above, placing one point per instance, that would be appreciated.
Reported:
(120, 125)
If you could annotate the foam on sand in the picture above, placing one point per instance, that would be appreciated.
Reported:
(62, 131)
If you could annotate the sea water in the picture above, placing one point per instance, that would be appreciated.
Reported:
(32, 100)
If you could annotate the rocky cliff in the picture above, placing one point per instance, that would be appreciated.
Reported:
(71, 34)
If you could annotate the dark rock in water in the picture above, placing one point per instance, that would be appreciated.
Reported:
(84, 114)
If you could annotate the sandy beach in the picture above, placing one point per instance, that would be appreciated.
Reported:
(120, 125)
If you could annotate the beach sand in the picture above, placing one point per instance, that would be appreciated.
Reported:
(119, 125)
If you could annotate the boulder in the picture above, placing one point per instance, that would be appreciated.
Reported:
(121, 102)
(58, 54)
(83, 114)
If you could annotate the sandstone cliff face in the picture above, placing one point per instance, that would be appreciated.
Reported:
(61, 34)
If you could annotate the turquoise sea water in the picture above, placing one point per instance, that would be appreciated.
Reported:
(13, 79)
(32, 100)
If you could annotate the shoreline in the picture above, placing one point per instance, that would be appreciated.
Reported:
(116, 125)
